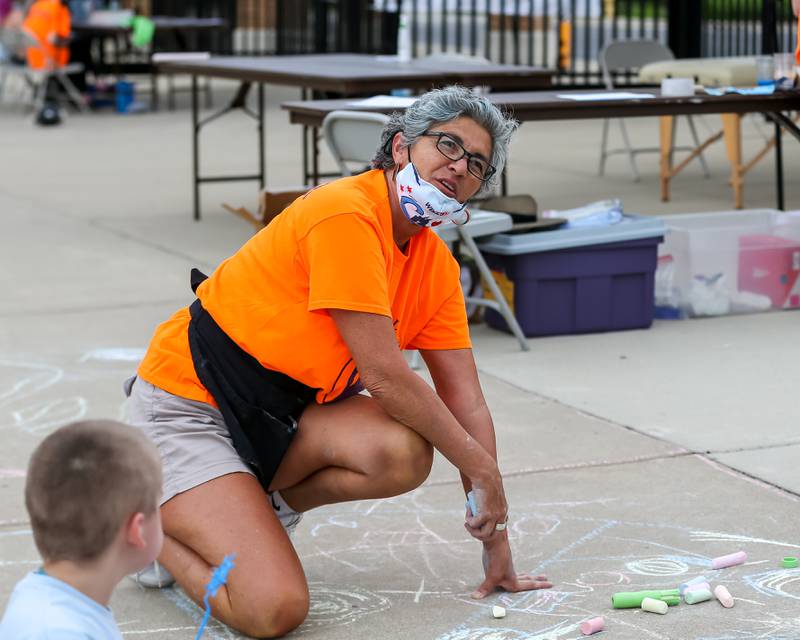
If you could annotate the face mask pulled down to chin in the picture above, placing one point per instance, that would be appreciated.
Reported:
(424, 204)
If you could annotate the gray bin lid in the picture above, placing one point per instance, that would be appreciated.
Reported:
(632, 227)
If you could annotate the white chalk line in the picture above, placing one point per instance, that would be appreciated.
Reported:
(186, 605)
(330, 556)
(144, 632)
(418, 594)
(20, 532)
(14, 523)
(410, 592)
(36, 417)
(114, 354)
(45, 376)
(717, 536)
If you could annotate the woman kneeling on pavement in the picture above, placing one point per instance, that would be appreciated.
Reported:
(253, 394)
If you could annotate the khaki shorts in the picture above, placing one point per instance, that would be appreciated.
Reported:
(191, 436)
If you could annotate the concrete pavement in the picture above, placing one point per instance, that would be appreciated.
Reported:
(631, 458)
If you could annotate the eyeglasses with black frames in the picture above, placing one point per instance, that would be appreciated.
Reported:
(452, 149)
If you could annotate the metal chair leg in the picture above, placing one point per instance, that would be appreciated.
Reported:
(504, 309)
(39, 95)
(631, 157)
(72, 91)
(603, 147)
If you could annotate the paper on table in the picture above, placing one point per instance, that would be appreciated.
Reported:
(616, 95)
(384, 101)
(180, 56)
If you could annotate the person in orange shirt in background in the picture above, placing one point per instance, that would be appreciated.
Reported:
(796, 9)
(252, 394)
(49, 22)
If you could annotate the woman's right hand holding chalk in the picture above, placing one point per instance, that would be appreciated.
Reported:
(490, 500)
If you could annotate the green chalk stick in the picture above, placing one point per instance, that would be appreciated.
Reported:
(633, 599)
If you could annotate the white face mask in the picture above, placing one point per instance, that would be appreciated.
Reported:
(423, 204)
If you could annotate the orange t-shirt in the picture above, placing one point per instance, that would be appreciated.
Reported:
(797, 51)
(330, 249)
(48, 19)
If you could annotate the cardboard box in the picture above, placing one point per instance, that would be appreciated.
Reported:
(271, 202)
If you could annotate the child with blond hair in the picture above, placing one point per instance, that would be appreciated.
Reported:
(92, 493)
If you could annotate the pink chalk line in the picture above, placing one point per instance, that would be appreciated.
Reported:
(12, 473)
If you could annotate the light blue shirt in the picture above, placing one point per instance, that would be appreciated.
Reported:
(44, 608)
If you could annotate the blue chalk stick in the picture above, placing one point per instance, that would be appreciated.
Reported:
(471, 504)
(685, 585)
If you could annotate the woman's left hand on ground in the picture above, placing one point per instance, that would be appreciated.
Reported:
(499, 570)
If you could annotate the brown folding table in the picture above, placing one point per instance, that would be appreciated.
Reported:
(339, 73)
(547, 105)
(178, 27)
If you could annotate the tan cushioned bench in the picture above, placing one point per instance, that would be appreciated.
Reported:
(711, 72)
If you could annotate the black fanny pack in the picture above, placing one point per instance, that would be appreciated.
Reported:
(261, 407)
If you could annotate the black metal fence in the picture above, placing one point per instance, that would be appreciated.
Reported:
(565, 35)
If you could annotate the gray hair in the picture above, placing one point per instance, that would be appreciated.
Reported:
(444, 105)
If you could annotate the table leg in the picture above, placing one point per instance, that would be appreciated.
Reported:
(261, 160)
(666, 131)
(315, 156)
(195, 149)
(788, 125)
(731, 126)
(154, 88)
(303, 96)
(779, 165)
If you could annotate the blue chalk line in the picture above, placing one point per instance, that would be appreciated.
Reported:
(218, 578)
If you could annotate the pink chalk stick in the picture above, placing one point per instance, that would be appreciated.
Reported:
(724, 596)
(592, 626)
(729, 561)
(698, 585)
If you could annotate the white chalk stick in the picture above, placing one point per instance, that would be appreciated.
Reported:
(655, 606)
(498, 612)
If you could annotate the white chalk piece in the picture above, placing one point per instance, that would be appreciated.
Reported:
(654, 606)
(588, 627)
(696, 596)
(732, 559)
(724, 596)
(498, 612)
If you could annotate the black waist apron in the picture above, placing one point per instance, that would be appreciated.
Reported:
(261, 407)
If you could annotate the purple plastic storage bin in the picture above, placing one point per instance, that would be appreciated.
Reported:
(581, 288)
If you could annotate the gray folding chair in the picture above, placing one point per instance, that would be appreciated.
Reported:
(38, 79)
(630, 55)
(353, 136)
(14, 42)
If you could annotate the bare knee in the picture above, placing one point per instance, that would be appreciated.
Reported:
(272, 615)
(404, 460)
